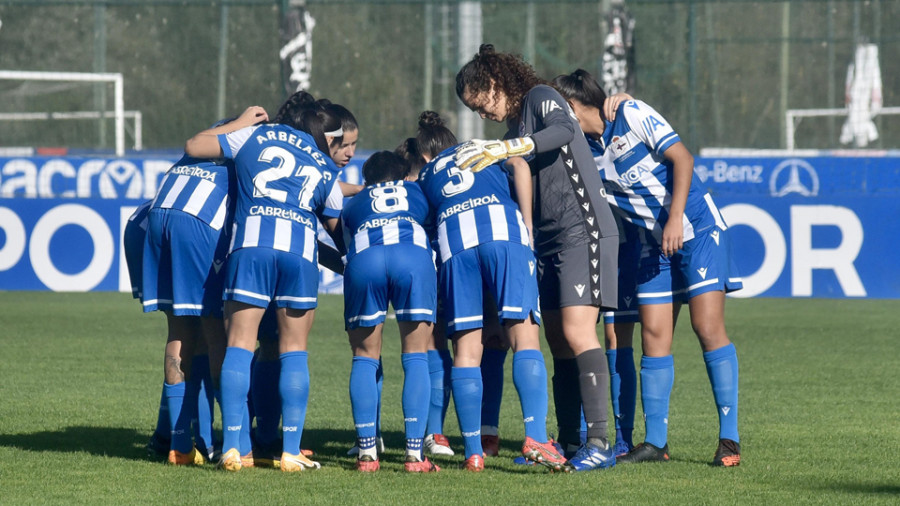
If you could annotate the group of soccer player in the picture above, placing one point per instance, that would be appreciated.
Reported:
(587, 204)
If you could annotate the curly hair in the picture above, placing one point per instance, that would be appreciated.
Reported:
(510, 74)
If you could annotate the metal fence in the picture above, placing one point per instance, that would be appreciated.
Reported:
(725, 73)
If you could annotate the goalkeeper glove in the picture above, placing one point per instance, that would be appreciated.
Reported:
(476, 154)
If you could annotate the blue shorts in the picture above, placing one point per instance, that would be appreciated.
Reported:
(703, 264)
(504, 269)
(627, 309)
(258, 276)
(133, 240)
(182, 265)
(401, 274)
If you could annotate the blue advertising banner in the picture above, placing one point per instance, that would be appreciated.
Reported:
(802, 226)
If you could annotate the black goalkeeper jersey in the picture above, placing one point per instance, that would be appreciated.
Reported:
(570, 207)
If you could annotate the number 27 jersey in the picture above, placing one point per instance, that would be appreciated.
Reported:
(283, 181)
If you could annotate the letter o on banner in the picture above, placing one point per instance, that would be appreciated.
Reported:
(48, 225)
(775, 248)
(14, 246)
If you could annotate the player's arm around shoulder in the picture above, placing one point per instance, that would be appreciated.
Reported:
(206, 143)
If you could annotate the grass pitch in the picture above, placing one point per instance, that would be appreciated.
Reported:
(80, 379)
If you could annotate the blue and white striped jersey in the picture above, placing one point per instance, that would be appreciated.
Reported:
(283, 181)
(637, 177)
(470, 208)
(383, 214)
(139, 217)
(198, 187)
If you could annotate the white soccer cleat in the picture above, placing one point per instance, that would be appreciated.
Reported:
(437, 444)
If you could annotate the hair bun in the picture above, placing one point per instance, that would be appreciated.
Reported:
(486, 49)
(430, 119)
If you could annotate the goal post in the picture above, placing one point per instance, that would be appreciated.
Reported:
(114, 78)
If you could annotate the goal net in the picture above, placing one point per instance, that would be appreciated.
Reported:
(66, 110)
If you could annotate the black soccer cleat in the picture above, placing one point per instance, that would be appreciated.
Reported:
(646, 452)
(728, 454)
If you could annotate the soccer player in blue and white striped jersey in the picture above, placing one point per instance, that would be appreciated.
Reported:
(184, 250)
(389, 260)
(283, 180)
(485, 246)
(647, 172)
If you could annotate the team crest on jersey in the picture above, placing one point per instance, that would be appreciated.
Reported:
(620, 145)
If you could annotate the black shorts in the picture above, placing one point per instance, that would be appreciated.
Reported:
(580, 276)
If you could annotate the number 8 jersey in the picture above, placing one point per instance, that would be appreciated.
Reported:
(383, 214)
(283, 181)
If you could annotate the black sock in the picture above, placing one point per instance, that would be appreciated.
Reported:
(567, 400)
(593, 379)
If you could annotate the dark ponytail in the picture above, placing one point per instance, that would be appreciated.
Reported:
(581, 86)
(301, 111)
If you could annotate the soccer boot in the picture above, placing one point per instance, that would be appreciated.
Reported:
(192, 458)
(291, 463)
(366, 464)
(437, 444)
(267, 455)
(546, 454)
(414, 465)
(728, 454)
(622, 448)
(590, 457)
(247, 459)
(490, 445)
(646, 452)
(230, 461)
(475, 464)
(158, 446)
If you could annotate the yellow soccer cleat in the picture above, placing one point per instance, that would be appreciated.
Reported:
(295, 463)
(230, 461)
(192, 458)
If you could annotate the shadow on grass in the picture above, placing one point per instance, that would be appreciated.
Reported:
(105, 441)
(888, 489)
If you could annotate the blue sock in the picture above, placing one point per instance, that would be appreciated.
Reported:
(163, 427)
(530, 377)
(627, 392)
(615, 390)
(492, 378)
(293, 385)
(722, 369)
(364, 400)
(265, 400)
(235, 386)
(657, 377)
(179, 417)
(467, 392)
(246, 443)
(205, 403)
(436, 405)
(447, 364)
(416, 394)
(379, 380)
